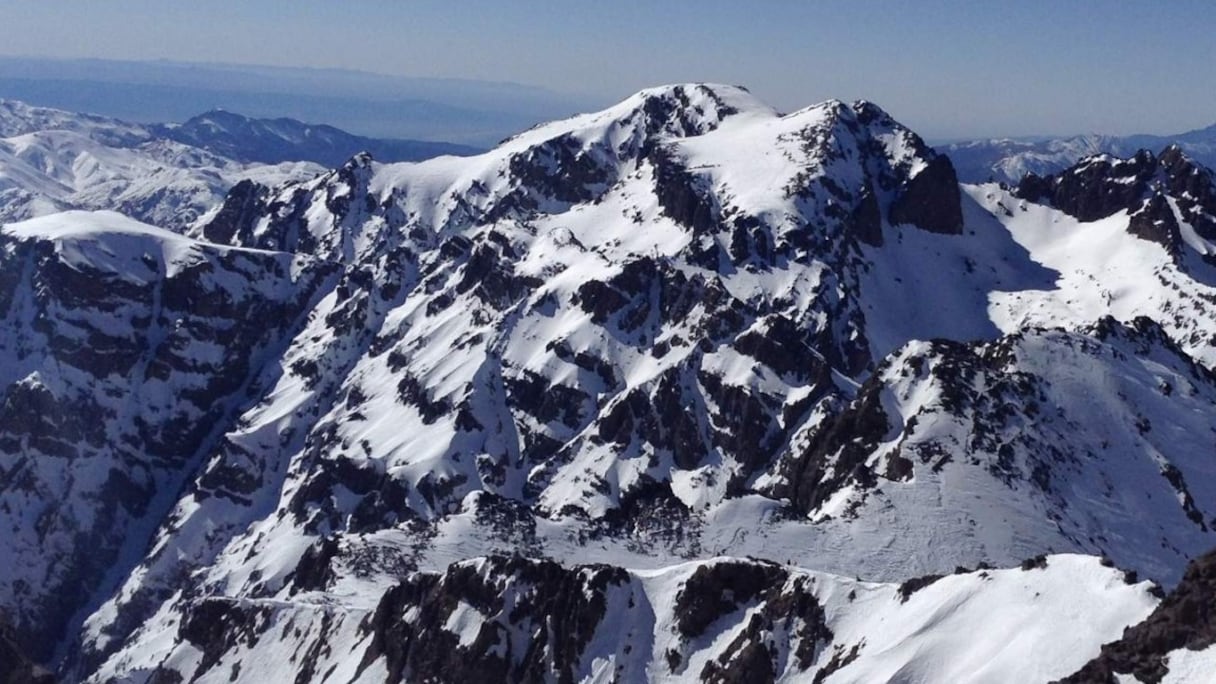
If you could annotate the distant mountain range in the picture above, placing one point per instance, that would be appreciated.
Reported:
(1008, 160)
(167, 174)
(479, 113)
(271, 141)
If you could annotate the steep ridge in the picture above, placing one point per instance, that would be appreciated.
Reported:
(720, 620)
(1169, 199)
(124, 347)
(683, 327)
(1176, 643)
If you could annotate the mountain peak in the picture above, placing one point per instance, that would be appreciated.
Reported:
(717, 99)
(868, 112)
(680, 328)
(673, 111)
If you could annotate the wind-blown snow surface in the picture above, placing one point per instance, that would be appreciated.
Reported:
(686, 326)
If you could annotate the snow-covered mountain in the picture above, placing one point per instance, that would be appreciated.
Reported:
(1008, 160)
(52, 161)
(272, 141)
(601, 358)
(169, 175)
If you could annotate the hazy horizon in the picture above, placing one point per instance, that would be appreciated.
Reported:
(950, 70)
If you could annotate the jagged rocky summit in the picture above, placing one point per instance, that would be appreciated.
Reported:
(523, 413)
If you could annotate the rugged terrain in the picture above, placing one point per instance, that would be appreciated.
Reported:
(168, 175)
(526, 412)
(1008, 160)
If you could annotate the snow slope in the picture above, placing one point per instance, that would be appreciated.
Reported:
(712, 621)
(685, 327)
(159, 181)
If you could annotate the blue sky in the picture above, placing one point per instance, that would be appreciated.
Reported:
(948, 69)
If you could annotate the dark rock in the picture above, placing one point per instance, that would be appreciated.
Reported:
(718, 589)
(215, 625)
(1035, 188)
(243, 206)
(866, 221)
(15, 666)
(1101, 186)
(722, 588)
(837, 451)
(681, 195)
(899, 469)
(909, 587)
(1154, 221)
(559, 169)
(1186, 618)
(315, 571)
(1038, 562)
(560, 608)
(1095, 188)
(931, 200)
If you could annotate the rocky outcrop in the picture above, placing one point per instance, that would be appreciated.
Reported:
(460, 626)
(15, 667)
(243, 206)
(125, 349)
(1186, 619)
(1155, 190)
(1095, 188)
(930, 200)
(1154, 221)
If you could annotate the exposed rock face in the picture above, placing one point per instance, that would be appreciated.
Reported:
(123, 351)
(1193, 188)
(243, 205)
(931, 200)
(683, 327)
(1095, 188)
(1186, 619)
(1154, 221)
(15, 667)
(1156, 190)
(724, 620)
(559, 608)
